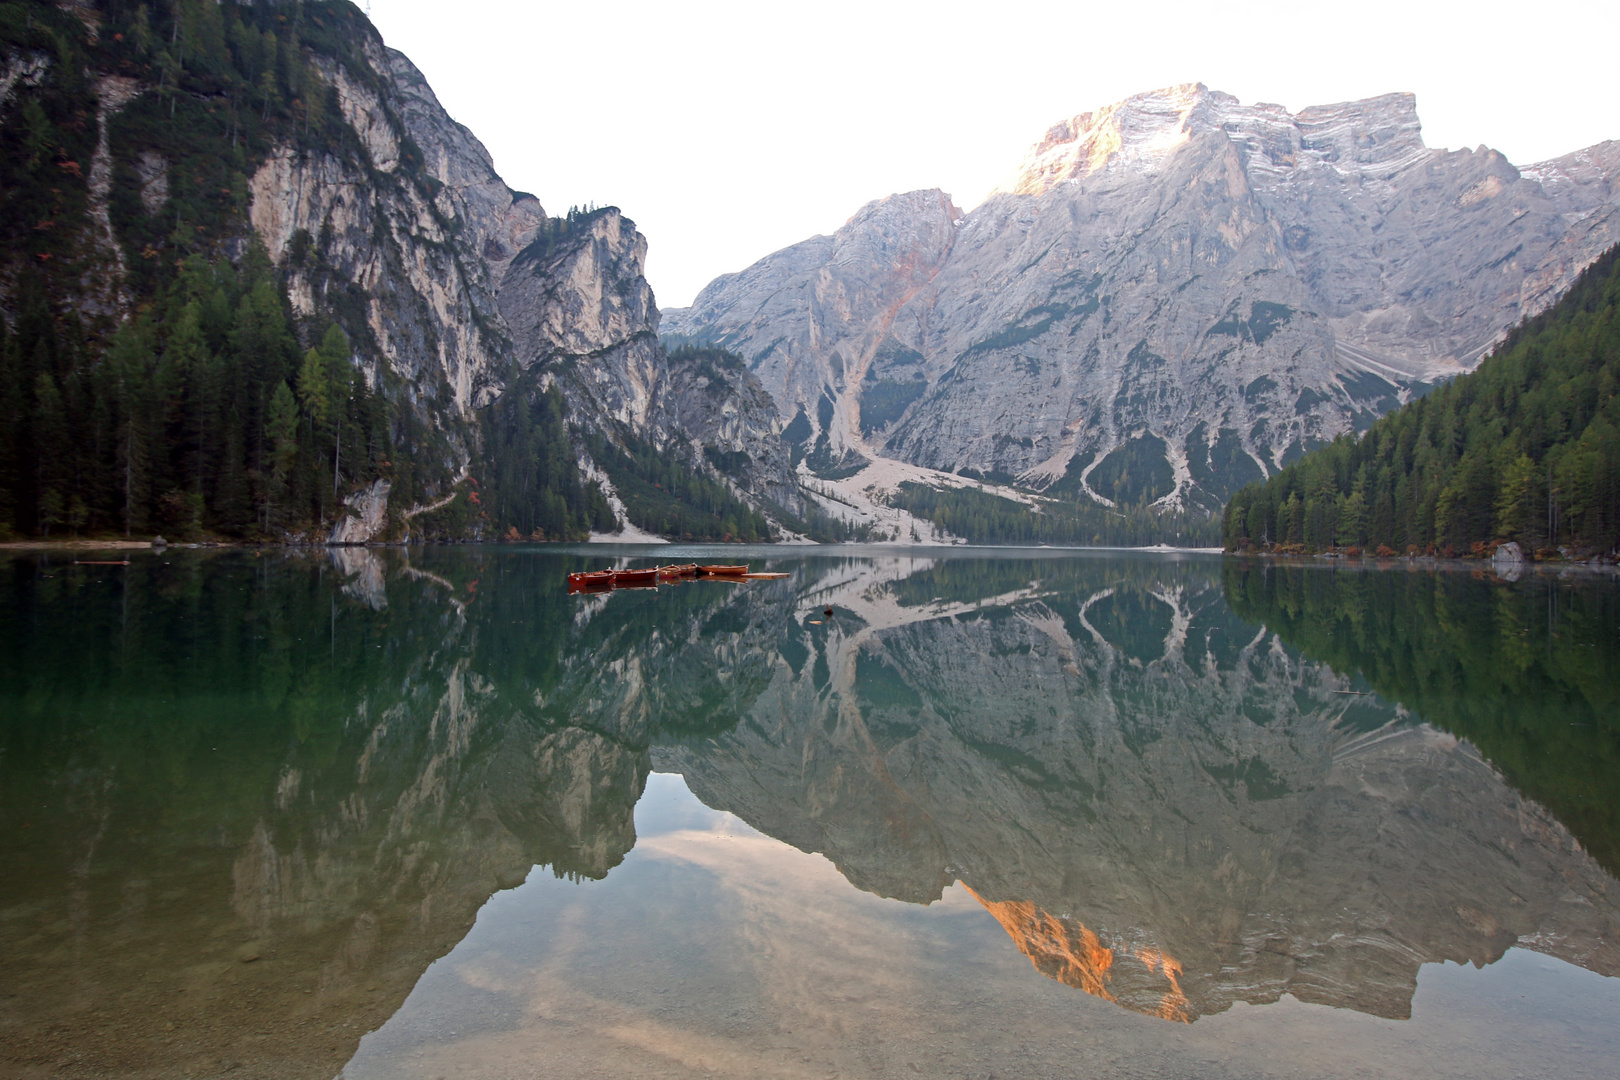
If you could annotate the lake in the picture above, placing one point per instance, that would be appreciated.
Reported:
(422, 813)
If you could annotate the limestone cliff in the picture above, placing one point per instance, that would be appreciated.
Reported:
(1197, 287)
(468, 283)
(304, 133)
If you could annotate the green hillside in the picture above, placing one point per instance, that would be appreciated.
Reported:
(1525, 448)
(213, 410)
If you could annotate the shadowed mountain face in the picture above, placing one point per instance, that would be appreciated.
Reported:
(376, 210)
(247, 801)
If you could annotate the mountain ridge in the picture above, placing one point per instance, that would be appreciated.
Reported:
(1177, 277)
(285, 145)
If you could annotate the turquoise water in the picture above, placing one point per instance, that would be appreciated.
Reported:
(1003, 813)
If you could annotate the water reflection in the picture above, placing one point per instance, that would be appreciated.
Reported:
(250, 799)
(1161, 803)
(1527, 673)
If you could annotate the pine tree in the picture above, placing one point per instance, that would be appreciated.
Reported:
(1513, 500)
(51, 451)
(314, 390)
(339, 372)
(128, 381)
(281, 433)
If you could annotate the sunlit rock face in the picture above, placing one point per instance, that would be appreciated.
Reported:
(1161, 804)
(1200, 287)
(583, 299)
(425, 241)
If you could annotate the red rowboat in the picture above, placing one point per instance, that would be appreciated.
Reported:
(635, 577)
(592, 579)
(680, 570)
(723, 571)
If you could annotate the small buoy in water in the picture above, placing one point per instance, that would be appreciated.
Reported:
(827, 611)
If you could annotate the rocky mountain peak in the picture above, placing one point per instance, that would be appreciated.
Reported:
(1370, 132)
(1139, 134)
(1174, 295)
(1134, 133)
(904, 225)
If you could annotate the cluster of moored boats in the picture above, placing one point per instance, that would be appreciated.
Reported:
(652, 576)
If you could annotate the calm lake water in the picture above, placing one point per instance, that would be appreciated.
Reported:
(382, 813)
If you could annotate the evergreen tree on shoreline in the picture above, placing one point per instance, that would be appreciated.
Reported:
(1525, 448)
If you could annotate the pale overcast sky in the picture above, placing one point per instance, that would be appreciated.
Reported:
(729, 130)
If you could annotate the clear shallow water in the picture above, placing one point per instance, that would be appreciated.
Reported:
(1065, 815)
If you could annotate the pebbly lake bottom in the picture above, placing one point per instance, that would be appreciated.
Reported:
(715, 950)
(1011, 814)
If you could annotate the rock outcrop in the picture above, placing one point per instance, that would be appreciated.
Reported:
(382, 214)
(468, 284)
(367, 518)
(1179, 290)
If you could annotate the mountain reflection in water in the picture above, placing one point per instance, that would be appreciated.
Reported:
(249, 799)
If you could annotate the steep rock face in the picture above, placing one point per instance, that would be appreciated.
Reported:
(476, 284)
(580, 304)
(386, 217)
(731, 416)
(1177, 278)
(813, 319)
(367, 517)
(419, 230)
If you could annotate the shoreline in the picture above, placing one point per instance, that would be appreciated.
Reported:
(87, 545)
(1429, 562)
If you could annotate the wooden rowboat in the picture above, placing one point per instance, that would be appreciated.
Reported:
(678, 570)
(648, 576)
(590, 579)
(722, 571)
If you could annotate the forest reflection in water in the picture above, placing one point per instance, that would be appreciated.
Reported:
(249, 799)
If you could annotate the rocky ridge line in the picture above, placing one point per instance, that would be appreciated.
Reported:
(1179, 290)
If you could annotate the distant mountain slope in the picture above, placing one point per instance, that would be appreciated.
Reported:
(284, 146)
(1526, 448)
(1173, 296)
